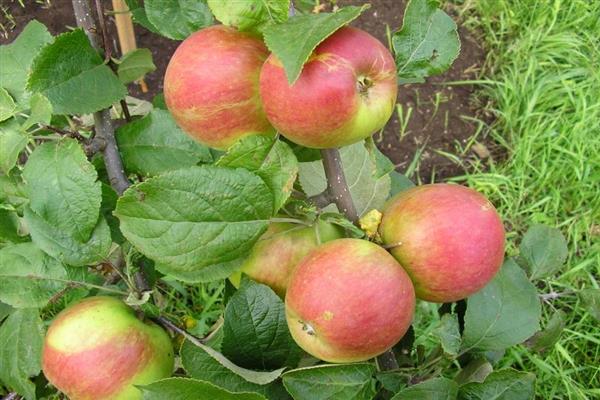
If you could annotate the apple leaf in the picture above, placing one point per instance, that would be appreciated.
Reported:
(63, 246)
(591, 301)
(506, 384)
(449, 334)
(134, 65)
(543, 250)
(21, 340)
(40, 111)
(138, 14)
(155, 144)
(270, 158)
(16, 59)
(12, 143)
(399, 183)
(367, 191)
(178, 19)
(427, 44)
(194, 218)
(24, 268)
(7, 105)
(249, 15)
(5, 311)
(68, 70)
(350, 381)
(504, 313)
(432, 389)
(191, 389)
(63, 189)
(475, 371)
(305, 32)
(206, 367)
(255, 331)
(9, 227)
(546, 338)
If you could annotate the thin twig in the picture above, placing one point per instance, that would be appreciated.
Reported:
(73, 134)
(322, 199)
(336, 183)
(173, 327)
(11, 396)
(125, 109)
(105, 42)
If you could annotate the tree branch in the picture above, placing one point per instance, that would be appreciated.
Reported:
(11, 396)
(337, 187)
(171, 326)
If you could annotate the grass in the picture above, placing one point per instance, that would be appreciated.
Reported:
(542, 77)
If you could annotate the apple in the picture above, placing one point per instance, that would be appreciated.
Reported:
(348, 300)
(98, 349)
(279, 250)
(211, 86)
(449, 238)
(345, 93)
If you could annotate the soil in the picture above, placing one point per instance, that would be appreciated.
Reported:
(441, 125)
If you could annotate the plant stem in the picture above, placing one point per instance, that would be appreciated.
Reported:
(170, 325)
(336, 184)
(11, 396)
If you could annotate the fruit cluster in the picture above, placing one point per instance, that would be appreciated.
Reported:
(346, 299)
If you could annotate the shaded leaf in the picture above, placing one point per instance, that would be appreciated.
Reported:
(427, 44)
(331, 382)
(134, 65)
(475, 371)
(12, 143)
(249, 15)
(546, 338)
(306, 32)
(399, 183)
(449, 334)
(7, 105)
(40, 111)
(504, 313)
(177, 19)
(138, 14)
(191, 389)
(591, 301)
(544, 250)
(432, 389)
(155, 144)
(506, 384)
(68, 70)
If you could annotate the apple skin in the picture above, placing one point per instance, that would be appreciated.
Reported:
(211, 86)
(451, 239)
(98, 349)
(327, 106)
(349, 300)
(279, 250)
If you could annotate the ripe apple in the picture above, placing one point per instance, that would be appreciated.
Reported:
(279, 250)
(211, 86)
(98, 349)
(449, 238)
(348, 300)
(345, 93)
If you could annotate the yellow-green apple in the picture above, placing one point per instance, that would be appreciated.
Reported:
(348, 300)
(449, 238)
(345, 93)
(98, 349)
(211, 86)
(279, 250)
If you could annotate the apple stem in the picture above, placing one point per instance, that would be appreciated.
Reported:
(105, 130)
(337, 188)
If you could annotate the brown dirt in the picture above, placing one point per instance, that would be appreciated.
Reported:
(442, 115)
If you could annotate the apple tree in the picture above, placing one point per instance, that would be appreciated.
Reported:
(255, 173)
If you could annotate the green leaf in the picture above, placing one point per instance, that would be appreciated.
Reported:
(21, 340)
(16, 58)
(271, 159)
(250, 15)
(194, 357)
(195, 218)
(544, 250)
(545, 339)
(12, 143)
(63, 189)
(351, 230)
(400, 183)
(138, 14)
(40, 111)
(12, 191)
(383, 165)
(72, 75)
(9, 227)
(63, 246)
(177, 19)
(504, 313)
(255, 331)
(427, 44)
(135, 64)
(432, 389)
(506, 384)
(449, 334)
(7, 105)
(201, 365)
(475, 371)
(367, 191)
(5, 311)
(191, 389)
(591, 301)
(305, 32)
(155, 144)
(331, 382)
(29, 277)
